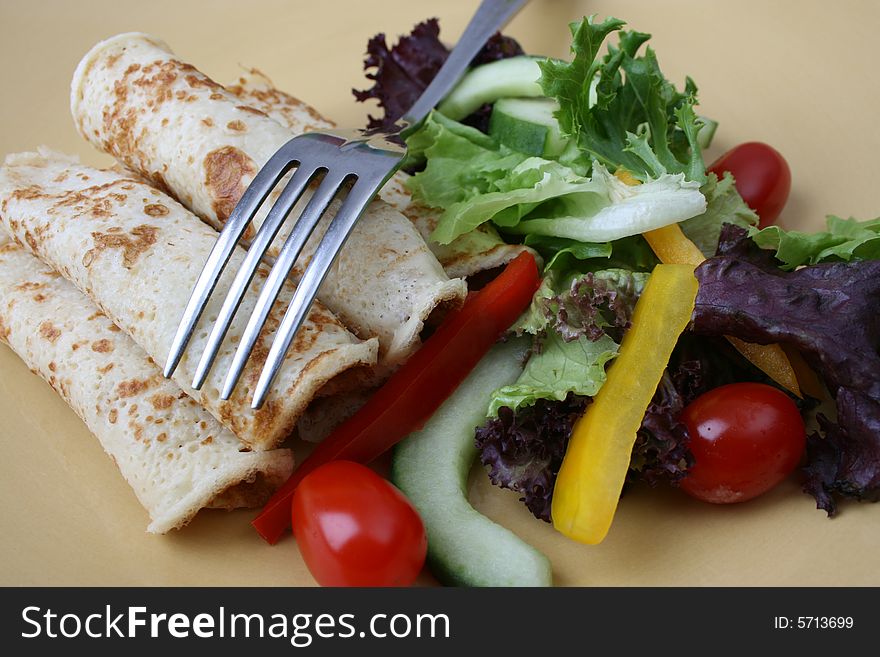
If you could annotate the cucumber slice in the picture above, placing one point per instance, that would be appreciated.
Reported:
(527, 125)
(505, 78)
(431, 468)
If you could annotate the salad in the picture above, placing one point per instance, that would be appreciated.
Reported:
(658, 326)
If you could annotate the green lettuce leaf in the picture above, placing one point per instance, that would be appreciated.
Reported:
(723, 205)
(561, 367)
(560, 253)
(571, 83)
(461, 161)
(610, 209)
(639, 121)
(566, 255)
(476, 180)
(845, 240)
(510, 198)
(536, 317)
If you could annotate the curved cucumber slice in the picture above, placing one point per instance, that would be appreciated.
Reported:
(431, 468)
(505, 78)
(527, 125)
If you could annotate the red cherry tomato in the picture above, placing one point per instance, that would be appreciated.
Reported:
(354, 528)
(745, 438)
(762, 177)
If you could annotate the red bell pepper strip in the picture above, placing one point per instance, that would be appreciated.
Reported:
(412, 394)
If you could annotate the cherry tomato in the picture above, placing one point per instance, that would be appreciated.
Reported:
(354, 528)
(745, 438)
(762, 177)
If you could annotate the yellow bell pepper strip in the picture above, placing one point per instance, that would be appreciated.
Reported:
(672, 246)
(809, 381)
(597, 459)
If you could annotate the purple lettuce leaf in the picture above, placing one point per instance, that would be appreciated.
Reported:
(402, 72)
(523, 451)
(844, 460)
(660, 453)
(829, 312)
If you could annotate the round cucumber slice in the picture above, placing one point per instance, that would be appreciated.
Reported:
(431, 467)
(527, 125)
(506, 78)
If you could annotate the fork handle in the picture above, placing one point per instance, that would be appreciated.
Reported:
(491, 16)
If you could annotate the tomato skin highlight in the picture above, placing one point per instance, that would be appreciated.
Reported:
(354, 528)
(745, 437)
(762, 177)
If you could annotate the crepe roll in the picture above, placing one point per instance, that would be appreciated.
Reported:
(175, 456)
(163, 119)
(137, 254)
(480, 250)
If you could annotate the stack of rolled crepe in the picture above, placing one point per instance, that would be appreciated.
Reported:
(174, 454)
(135, 253)
(131, 253)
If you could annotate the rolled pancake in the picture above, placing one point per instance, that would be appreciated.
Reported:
(480, 250)
(137, 254)
(175, 456)
(163, 119)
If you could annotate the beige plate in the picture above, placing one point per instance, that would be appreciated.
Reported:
(800, 75)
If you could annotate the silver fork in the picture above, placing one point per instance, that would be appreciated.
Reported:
(358, 161)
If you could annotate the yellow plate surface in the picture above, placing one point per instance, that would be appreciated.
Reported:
(801, 75)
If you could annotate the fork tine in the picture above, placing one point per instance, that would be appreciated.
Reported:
(359, 196)
(291, 250)
(260, 244)
(245, 210)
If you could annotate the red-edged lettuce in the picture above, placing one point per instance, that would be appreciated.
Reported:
(829, 312)
(523, 449)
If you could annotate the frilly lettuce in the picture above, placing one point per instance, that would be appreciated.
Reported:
(523, 450)
(476, 180)
(639, 120)
(400, 73)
